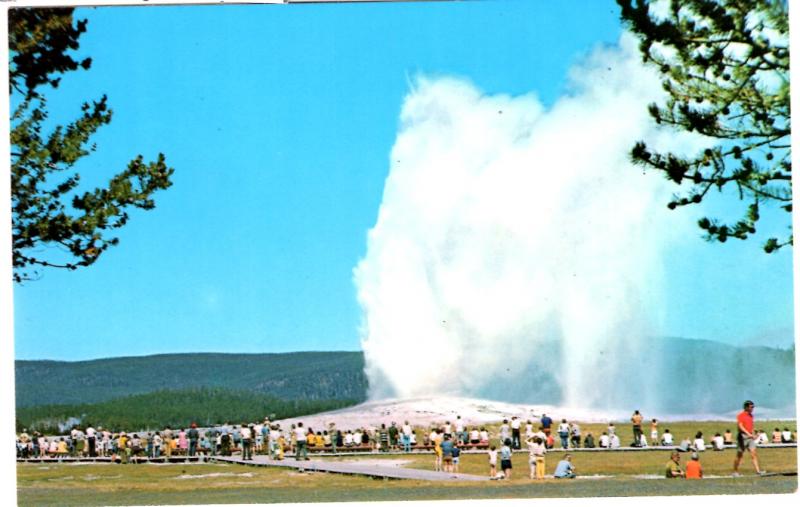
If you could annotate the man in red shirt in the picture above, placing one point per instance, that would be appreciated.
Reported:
(746, 438)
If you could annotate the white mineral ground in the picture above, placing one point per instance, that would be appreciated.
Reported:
(438, 410)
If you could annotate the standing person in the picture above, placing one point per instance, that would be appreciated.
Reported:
(745, 438)
(436, 440)
(183, 443)
(167, 435)
(461, 431)
(504, 431)
(456, 457)
(407, 437)
(565, 469)
(636, 419)
(515, 436)
(247, 442)
(575, 435)
(393, 432)
(653, 432)
(194, 436)
(563, 433)
(157, 441)
(546, 422)
(505, 458)
(300, 439)
(91, 441)
(536, 452)
(492, 462)
(447, 453)
(693, 468)
(673, 468)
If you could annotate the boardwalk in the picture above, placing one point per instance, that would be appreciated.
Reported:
(369, 470)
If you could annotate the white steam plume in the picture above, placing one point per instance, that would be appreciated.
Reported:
(517, 253)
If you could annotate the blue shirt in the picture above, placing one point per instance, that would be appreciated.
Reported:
(447, 448)
(546, 422)
(563, 469)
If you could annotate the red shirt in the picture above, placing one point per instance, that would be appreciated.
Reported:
(694, 470)
(746, 420)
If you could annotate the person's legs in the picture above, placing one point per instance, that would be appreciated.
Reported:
(754, 458)
(540, 467)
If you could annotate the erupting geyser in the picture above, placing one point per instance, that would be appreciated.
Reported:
(517, 254)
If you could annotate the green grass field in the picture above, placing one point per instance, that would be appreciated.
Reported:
(623, 474)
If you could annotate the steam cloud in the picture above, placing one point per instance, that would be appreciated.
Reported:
(517, 254)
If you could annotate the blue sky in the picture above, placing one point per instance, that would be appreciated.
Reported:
(279, 121)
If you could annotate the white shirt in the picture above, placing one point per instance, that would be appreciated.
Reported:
(563, 428)
(246, 433)
(348, 439)
(515, 424)
(603, 440)
(667, 438)
(300, 434)
(493, 457)
(484, 435)
(90, 432)
(614, 441)
(474, 435)
(535, 449)
(529, 430)
(407, 429)
(719, 442)
(786, 436)
(459, 426)
(699, 444)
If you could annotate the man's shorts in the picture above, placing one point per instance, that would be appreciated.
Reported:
(505, 464)
(744, 443)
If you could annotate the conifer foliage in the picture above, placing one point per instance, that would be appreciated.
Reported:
(725, 67)
(55, 223)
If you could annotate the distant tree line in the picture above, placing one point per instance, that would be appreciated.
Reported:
(176, 408)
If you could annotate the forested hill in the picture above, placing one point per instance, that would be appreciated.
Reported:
(290, 376)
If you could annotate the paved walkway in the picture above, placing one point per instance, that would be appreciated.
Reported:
(370, 470)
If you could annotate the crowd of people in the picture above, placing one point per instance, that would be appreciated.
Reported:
(446, 440)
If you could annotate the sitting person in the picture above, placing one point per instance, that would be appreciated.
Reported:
(604, 440)
(673, 468)
(666, 438)
(728, 437)
(786, 436)
(565, 468)
(614, 444)
(718, 443)
(776, 436)
(588, 441)
(699, 444)
(693, 468)
(685, 445)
